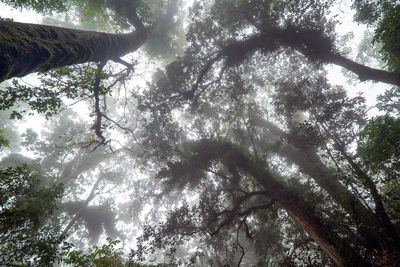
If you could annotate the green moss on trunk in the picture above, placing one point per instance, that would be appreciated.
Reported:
(27, 48)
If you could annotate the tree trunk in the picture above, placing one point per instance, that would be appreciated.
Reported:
(307, 218)
(27, 48)
(302, 212)
(310, 163)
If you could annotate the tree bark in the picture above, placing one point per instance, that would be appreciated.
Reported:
(301, 211)
(27, 48)
(307, 218)
(365, 73)
(311, 164)
(312, 44)
(389, 232)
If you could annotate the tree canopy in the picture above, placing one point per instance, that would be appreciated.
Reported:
(233, 147)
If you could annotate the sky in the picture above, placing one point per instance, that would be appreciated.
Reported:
(335, 73)
(25, 16)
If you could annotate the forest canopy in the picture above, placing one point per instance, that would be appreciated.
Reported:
(204, 133)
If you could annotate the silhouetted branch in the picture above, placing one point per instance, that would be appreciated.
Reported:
(96, 92)
(237, 212)
(313, 44)
(92, 194)
(237, 241)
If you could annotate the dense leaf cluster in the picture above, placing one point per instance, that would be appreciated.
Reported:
(25, 205)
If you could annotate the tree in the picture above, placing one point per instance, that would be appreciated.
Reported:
(236, 140)
(32, 48)
(385, 34)
(386, 15)
(67, 156)
(52, 47)
(25, 200)
(252, 141)
(28, 48)
(105, 255)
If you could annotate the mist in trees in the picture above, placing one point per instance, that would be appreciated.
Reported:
(199, 134)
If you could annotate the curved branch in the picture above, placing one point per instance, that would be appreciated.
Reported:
(364, 73)
(312, 44)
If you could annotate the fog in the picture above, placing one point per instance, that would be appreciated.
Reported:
(212, 133)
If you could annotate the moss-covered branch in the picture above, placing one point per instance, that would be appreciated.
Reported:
(27, 48)
(312, 44)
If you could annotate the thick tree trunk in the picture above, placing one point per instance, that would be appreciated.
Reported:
(390, 236)
(307, 218)
(378, 235)
(303, 213)
(27, 48)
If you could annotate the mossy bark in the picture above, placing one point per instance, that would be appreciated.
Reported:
(27, 48)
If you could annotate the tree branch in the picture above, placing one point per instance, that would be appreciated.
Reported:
(92, 194)
(237, 241)
(96, 92)
(313, 44)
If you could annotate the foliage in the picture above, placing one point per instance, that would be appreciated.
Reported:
(43, 7)
(379, 147)
(92, 13)
(302, 133)
(380, 143)
(74, 83)
(251, 145)
(370, 11)
(387, 33)
(26, 203)
(386, 14)
(389, 102)
(167, 38)
(162, 17)
(3, 141)
(10, 137)
(106, 255)
(96, 13)
(23, 198)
